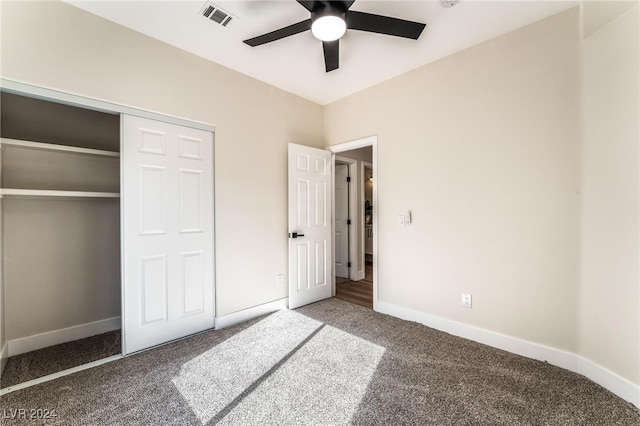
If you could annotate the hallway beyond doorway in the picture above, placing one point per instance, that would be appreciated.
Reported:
(358, 292)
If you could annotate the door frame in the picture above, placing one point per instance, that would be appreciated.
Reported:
(353, 214)
(371, 141)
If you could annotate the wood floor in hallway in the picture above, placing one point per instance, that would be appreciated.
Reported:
(358, 292)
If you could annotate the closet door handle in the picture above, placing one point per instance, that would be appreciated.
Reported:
(295, 235)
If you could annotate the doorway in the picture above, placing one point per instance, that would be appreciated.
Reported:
(361, 285)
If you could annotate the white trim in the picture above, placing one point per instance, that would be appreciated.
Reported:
(371, 141)
(123, 249)
(59, 374)
(334, 160)
(514, 345)
(354, 144)
(609, 380)
(66, 98)
(250, 313)
(363, 253)
(64, 335)
(567, 360)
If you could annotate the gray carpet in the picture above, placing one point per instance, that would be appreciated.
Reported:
(332, 362)
(31, 365)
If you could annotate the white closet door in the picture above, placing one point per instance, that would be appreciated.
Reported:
(167, 213)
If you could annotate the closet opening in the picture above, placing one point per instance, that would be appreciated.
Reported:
(60, 272)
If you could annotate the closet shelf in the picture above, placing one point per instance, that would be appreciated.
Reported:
(46, 193)
(54, 147)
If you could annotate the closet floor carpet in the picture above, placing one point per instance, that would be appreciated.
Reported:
(31, 365)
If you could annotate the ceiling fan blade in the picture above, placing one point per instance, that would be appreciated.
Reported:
(340, 5)
(281, 33)
(331, 54)
(347, 4)
(384, 25)
(309, 5)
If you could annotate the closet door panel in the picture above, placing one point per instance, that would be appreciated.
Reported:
(191, 186)
(152, 206)
(167, 202)
(154, 289)
(192, 283)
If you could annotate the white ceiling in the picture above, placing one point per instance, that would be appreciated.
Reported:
(296, 63)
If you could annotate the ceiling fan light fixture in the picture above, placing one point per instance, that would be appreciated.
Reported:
(328, 28)
(329, 22)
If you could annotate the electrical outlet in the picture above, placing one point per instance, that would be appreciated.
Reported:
(279, 280)
(401, 220)
(466, 300)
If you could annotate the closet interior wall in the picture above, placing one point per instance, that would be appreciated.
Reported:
(60, 251)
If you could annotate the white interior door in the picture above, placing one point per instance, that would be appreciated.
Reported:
(310, 247)
(167, 213)
(341, 220)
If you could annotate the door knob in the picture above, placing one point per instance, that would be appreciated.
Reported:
(295, 235)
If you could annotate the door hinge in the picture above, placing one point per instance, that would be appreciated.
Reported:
(348, 264)
(348, 178)
(348, 221)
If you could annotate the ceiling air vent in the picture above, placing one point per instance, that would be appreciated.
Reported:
(213, 12)
(448, 3)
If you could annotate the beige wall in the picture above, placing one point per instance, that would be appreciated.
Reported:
(609, 295)
(55, 45)
(483, 148)
(524, 202)
(61, 264)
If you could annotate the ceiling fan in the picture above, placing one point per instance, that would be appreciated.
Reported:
(331, 19)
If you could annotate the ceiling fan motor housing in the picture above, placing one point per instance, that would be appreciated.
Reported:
(329, 10)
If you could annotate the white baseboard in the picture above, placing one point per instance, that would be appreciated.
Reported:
(360, 275)
(567, 360)
(250, 313)
(609, 380)
(56, 337)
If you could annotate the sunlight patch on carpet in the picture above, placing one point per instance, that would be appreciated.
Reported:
(283, 369)
(214, 379)
(322, 383)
